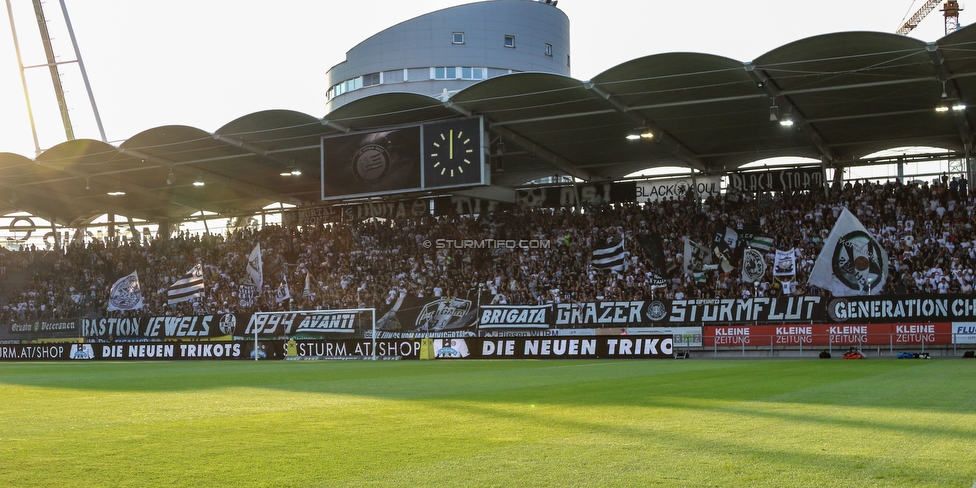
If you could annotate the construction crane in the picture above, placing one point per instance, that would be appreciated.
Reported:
(950, 11)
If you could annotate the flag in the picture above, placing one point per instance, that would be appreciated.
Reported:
(661, 268)
(254, 268)
(731, 238)
(761, 242)
(283, 293)
(609, 256)
(851, 262)
(125, 294)
(726, 239)
(307, 292)
(785, 263)
(654, 251)
(698, 259)
(753, 266)
(723, 260)
(188, 287)
(246, 294)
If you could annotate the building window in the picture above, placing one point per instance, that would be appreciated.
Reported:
(418, 74)
(509, 41)
(567, 60)
(468, 73)
(548, 49)
(371, 79)
(458, 38)
(393, 76)
(445, 73)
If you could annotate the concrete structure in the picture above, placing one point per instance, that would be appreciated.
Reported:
(440, 53)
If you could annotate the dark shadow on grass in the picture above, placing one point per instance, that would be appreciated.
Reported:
(635, 382)
(840, 468)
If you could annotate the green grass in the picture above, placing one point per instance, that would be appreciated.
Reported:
(490, 423)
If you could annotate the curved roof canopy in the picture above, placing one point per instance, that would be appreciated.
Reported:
(848, 94)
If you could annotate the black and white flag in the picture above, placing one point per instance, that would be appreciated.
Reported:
(698, 259)
(254, 267)
(188, 287)
(609, 256)
(125, 294)
(753, 266)
(852, 262)
(283, 292)
(661, 269)
(247, 297)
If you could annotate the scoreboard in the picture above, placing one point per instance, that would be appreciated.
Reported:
(430, 156)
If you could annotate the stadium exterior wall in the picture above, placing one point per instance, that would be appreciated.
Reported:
(497, 37)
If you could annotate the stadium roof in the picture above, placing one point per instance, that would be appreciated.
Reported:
(849, 94)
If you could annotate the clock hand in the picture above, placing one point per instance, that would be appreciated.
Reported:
(451, 136)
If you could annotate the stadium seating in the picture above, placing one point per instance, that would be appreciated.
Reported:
(927, 230)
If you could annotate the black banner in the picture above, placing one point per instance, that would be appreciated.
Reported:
(355, 213)
(515, 317)
(458, 317)
(908, 308)
(581, 347)
(196, 327)
(578, 195)
(292, 323)
(150, 351)
(412, 316)
(735, 310)
(598, 314)
(608, 347)
(38, 352)
(542, 197)
(44, 329)
(188, 327)
(777, 180)
(173, 350)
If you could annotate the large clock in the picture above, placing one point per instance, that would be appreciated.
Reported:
(453, 154)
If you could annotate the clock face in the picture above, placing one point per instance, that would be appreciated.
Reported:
(453, 153)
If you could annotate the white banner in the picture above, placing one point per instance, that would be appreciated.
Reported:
(964, 332)
(667, 188)
(785, 263)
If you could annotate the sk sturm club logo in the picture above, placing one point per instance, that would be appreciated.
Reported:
(444, 314)
(127, 294)
(82, 351)
(656, 311)
(753, 265)
(227, 324)
(371, 163)
(450, 348)
(681, 188)
(857, 261)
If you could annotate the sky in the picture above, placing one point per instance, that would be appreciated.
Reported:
(204, 63)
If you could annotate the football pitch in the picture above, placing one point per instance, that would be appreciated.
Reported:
(773, 422)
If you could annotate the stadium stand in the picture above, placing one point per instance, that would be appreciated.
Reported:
(925, 228)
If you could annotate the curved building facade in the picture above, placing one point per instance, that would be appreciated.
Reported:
(444, 51)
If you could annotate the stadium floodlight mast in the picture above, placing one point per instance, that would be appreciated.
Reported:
(372, 319)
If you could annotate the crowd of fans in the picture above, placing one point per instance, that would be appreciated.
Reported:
(927, 230)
